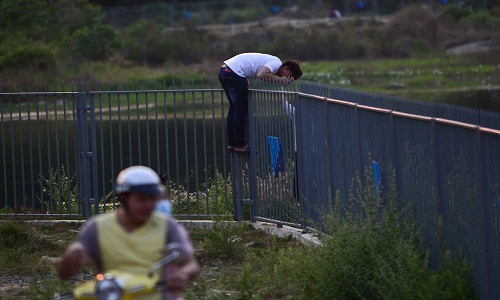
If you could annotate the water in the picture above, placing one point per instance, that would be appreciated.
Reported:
(176, 149)
(488, 100)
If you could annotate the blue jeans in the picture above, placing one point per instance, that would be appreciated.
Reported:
(236, 89)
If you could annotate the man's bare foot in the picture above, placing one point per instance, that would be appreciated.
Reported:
(241, 149)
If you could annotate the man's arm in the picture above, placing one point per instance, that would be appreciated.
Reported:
(179, 276)
(75, 257)
(266, 74)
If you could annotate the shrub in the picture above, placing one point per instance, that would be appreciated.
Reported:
(414, 26)
(455, 13)
(97, 43)
(33, 57)
(152, 44)
(370, 251)
(482, 19)
(143, 43)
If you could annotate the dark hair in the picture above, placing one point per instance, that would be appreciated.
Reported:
(121, 199)
(294, 67)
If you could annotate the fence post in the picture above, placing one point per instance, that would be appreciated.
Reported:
(238, 162)
(252, 172)
(84, 155)
(237, 185)
(486, 234)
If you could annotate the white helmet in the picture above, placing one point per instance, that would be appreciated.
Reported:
(139, 179)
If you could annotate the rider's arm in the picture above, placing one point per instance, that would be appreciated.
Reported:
(81, 252)
(75, 257)
(178, 276)
(190, 266)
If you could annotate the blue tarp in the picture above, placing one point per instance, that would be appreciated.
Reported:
(277, 156)
(376, 176)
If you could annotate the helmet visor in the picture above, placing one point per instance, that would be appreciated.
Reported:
(147, 189)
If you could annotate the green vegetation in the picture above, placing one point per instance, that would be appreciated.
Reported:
(378, 257)
(423, 74)
(375, 257)
(68, 41)
(370, 249)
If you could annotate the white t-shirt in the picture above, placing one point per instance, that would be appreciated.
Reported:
(249, 64)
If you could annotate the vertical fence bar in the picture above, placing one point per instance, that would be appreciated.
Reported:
(252, 161)
(111, 147)
(214, 148)
(148, 136)
(176, 142)
(13, 157)
(486, 222)
(157, 130)
(5, 206)
(30, 145)
(67, 170)
(58, 160)
(185, 131)
(205, 150)
(120, 130)
(94, 154)
(101, 135)
(93, 140)
(21, 146)
(39, 128)
(195, 142)
(167, 148)
(137, 120)
(83, 150)
(49, 152)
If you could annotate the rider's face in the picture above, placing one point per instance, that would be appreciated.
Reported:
(140, 206)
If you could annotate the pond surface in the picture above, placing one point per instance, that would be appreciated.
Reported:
(480, 99)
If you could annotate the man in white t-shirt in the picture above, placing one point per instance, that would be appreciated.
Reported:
(233, 77)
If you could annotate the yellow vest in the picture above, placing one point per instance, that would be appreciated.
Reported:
(132, 252)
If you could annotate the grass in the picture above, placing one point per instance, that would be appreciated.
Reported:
(377, 256)
(423, 74)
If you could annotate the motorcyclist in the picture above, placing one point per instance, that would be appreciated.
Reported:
(132, 237)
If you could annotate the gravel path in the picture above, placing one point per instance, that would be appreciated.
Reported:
(13, 285)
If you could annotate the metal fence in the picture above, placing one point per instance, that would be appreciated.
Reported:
(62, 148)
(61, 151)
(443, 172)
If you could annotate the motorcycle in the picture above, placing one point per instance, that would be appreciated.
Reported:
(120, 285)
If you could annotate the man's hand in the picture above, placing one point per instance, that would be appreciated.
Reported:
(284, 81)
(179, 276)
(265, 74)
(73, 260)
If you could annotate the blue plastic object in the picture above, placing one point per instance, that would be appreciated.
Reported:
(377, 176)
(277, 156)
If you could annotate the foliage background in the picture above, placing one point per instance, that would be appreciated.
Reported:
(57, 39)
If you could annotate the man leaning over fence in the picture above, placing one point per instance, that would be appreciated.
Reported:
(233, 76)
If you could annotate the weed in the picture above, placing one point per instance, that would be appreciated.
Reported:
(21, 240)
(61, 190)
(211, 199)
(224, 241)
